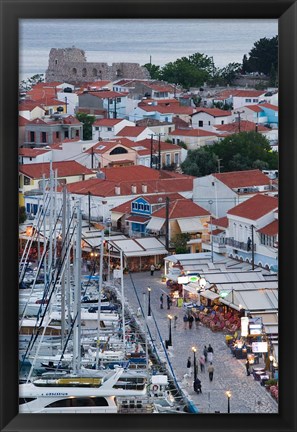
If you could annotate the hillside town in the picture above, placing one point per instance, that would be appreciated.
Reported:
(193, 259)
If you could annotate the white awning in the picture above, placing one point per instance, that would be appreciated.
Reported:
(155, 224)
(209, 294)
(116, 216)
(190, 225)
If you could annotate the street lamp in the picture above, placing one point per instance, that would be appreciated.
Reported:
(149, 302)
(170, 333)
(195, 365)
(228, 394)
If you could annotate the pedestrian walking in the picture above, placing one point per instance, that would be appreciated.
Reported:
(197, 320)
(191, 319)
(210, 371)
(168, 302)
(161, 301)
(175, 320)
(197, 386)
(210, 353)
(205, 353)
(247, 366)
(189, 364)
(202, 363)
(153, 268)
(185, 320)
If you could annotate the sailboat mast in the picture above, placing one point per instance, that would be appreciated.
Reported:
(99, 296)
(77, 295)
(123, 302)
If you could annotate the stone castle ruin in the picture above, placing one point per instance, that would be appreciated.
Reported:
(70, 65)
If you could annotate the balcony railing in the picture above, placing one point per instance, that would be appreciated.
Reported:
(247, 247)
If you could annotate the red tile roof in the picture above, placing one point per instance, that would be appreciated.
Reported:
(28, 105)
(214, 112)
(101, 187)
(256, 108)
(182, 208)
(151, 199)
(221, 222)
(107, 122)
(269, 106)
(163, 145)
(28, 152)
(136, 172)
(243, 126)
(254, 208)
(270, 229)
(131, 131)
(138, 218)
(225, 94)
(106, 94)
(240, 179)
(64, 169)
(23, 121)
(192, 132)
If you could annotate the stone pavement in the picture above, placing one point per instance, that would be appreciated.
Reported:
(247, 395)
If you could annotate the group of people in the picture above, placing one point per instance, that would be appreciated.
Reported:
(189, 319)
(206, 357)
(168, 301)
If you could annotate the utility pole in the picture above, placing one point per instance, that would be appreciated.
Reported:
(219, 165)
(89, 204)
(167, 225)
(239, 119)
(115, 108)
(151, 162)
(253, 252)
(92, 157)
(159, 152)
(108, 106)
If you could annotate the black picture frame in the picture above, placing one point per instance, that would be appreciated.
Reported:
(286, 13)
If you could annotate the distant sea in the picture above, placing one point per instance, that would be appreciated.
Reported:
(138, 40)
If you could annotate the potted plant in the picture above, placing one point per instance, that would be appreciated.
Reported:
(269, 383)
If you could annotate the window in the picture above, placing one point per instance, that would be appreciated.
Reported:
(169, 130)
(255, 100)
(57, 134)
(25, 400)
(77, 133)
(248, 100)
(66, 134)
(140, 206)
(109, 129)
(168, 159)
(173, 140)
(74, 71)
(146, 207)
(43, 137)
(95, 72)
(176, 158)
(119, 99)
(32, 136)
(84, 72)
(222, 122)
(134, 206)
(26, 181)
(118, 150)
(200, 123)
(209, 123)
(56, 61)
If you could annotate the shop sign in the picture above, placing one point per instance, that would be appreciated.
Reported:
(183, 280)
(244, 326)
(259, 347)
(193, 279)
(255, 329)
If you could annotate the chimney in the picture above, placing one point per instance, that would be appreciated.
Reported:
(117, 190)
(133, 189)
(144, 188)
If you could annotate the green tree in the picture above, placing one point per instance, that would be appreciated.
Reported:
(179, 242)
(153, 69)
(200, 162)
(240, 152)
(87, 121)
(27, 84)
(190, 71)
(262, 56)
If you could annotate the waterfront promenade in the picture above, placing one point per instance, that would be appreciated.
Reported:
(247, 395)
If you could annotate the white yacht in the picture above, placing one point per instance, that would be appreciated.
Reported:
(75, 394)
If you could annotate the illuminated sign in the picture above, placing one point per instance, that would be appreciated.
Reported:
(193, 278)
(244, 326)
(183, 279)
(259, 347)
